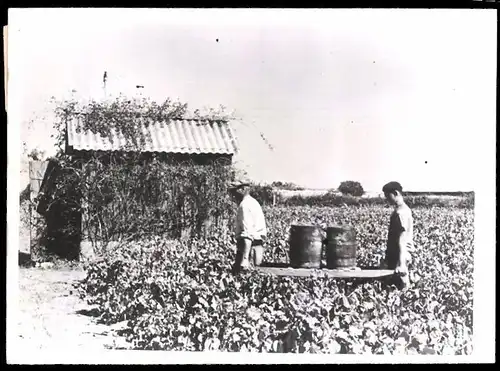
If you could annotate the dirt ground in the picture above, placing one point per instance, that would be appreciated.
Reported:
(52, 316)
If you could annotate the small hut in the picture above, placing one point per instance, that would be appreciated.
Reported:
(173, 141)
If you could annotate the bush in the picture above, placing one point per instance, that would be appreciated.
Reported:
(331, 199)
(264, 194)
(351, 188)
(286, 186)
(462, 202)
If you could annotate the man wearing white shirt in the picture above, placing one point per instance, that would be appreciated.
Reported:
(250, 226)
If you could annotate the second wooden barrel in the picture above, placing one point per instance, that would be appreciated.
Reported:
(340, 247)
(306, 243)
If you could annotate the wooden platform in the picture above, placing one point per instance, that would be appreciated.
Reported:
(333, 273)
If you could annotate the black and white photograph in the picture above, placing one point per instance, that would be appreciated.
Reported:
(250, 186)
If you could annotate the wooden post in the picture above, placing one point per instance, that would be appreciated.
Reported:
(37, 171)
(86, 248)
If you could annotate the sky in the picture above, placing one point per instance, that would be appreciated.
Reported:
(364, 95)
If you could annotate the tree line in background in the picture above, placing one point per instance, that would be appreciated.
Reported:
(349, 187)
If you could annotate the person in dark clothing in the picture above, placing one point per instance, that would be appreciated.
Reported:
(400, 235)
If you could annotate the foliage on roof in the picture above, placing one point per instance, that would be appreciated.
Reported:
(128, 116)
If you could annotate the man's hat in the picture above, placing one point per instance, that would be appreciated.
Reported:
(240, 181)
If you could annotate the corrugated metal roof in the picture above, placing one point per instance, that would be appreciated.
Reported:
(175, 136)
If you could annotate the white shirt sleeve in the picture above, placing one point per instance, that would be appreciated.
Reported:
(250, 220)
(245, 221)
(261, 222)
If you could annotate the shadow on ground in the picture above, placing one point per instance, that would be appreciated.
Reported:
(369, 268)
(274, 265)
(88, 312)
(285, 265)
(25, 260)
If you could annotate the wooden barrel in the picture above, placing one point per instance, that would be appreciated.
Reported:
(340, 247)
(306, 243)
